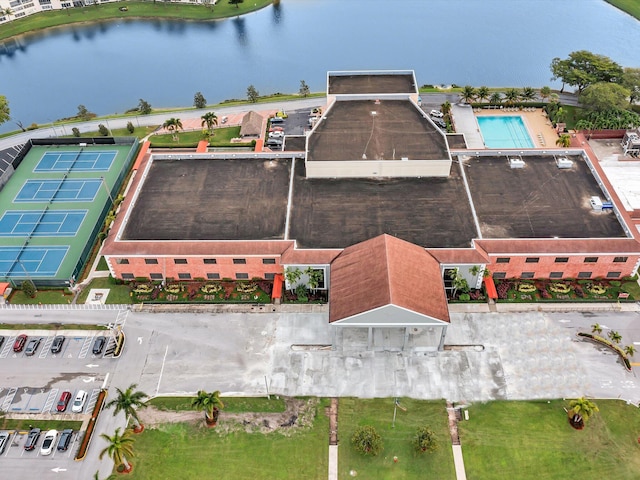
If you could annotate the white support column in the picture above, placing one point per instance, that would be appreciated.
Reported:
(370, 342)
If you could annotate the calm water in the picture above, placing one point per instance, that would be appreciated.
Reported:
(108, 67)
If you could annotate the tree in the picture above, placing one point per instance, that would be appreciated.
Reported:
(604, 96)
(425, 440)
(5, 112)
(199, 101)
(583, 68)
(596, 328)
(7, 11)
(468, 94)
(209, 119)
(631, 81)
(545, 92)
(528, 94)
(564, 141)
(495, 98)
(144, 107)
(29, 289)
(130, 127)
(119, 449)
(292, 276)
(211, 404)
(236, 2)
(446, 108)
(129, 401)
(304, 89)
(458, 282)
(315, 276)
(173, 125)
(367, 441)
(252, 94)
(84, 113)
(614, 336)
(75, 131)
(583, 407)
(511, 96)
(104, 131)
(483, 93)
(630, 350)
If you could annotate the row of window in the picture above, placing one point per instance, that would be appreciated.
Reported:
(187, 276)
(562, 259)
(206, 261)
(554, 275)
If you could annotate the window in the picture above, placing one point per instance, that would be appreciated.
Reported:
(210, 261)
(614, 274)
(239, 261)
(556, 274)
(499, 275)
(584, 275)
(562, 259)
(128, 276)
(155, 276)
(184, 276)
(502, 260)
(590, 259)
(151, 261)
(620, 259)
(122, 261)
(269, 276)
(532, 260)
(527, 275)
(180, 261)
(213, 276)
(242, 276)
(269, 261)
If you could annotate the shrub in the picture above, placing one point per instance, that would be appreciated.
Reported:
(502, 289)
(104, 131)
(29, 289)
(75, 131)
(425, 440)
(33, 126)
(130, 127)
(367, 440)
(464, 297)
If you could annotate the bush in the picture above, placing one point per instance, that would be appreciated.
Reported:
(425, 440)
(367, 441)
(75, 131)
(29, 289)
(464, 297)
(130, 127)
(104, 131)
(33, 126)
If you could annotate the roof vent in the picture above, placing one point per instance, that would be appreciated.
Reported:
(564, 162)
(404, 159)
(516, 163)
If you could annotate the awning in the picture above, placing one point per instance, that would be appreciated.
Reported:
(278, 281)
(490, 287)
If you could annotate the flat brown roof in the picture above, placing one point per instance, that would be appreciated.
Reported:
(397, 129)
(371, 83)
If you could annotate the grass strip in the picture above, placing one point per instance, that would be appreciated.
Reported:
(632, 7)
(44, 425)
(50, 326)
(231, 404)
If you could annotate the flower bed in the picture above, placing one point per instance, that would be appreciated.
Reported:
(515, 290)
(230, 291)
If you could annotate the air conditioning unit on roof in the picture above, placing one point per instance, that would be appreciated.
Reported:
(516, 163)
(564, 162)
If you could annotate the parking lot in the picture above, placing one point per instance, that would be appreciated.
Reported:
(15, 447)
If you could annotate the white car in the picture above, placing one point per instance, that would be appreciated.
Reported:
(436, 113)
(78, 402)
(49, 442)
(276, 134)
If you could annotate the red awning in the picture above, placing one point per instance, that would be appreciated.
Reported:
(278, 281)
(490, 287)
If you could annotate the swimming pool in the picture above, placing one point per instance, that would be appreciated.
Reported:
(504, 132)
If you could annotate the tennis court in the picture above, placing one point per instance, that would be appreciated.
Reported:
(81, 190)
(34, 223)
(76, 161)
(27, 262)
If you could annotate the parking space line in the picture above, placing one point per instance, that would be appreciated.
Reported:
(7, 347)
(85, 347)
(93, 398)
(8, 399)
(46, 346)
(48, 404)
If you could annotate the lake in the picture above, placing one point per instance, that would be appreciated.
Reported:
(110, 66)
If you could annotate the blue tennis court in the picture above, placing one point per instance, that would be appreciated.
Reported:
(40, 223)
(25, 262)
(76, 161)
(67, 190)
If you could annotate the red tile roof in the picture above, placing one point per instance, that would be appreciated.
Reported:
(459, 255)
(294, 256)
(386, 271)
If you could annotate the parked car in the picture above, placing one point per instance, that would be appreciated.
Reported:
(18, 345)
(436, 113)
(439, 122)
(64, 401)
(56, 346)
(4, 441)
(276, 134)
(65, 439)
(32, 439)
(78, 402)
(225, 119)
(276, 129)
(49, 442)
(276, 120)
(98, 345)
(32, 346)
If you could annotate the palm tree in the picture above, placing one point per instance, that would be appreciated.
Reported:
(483, 93)
(209, 119)
(129, 402)
(173, 125)
(596, 328)
(211, 404)
(528, 94)
(446, 108)
(545, 92)
(582, 409)
(468, 94)
(495, 98)
(615, 336)
(511, 96)
(630, 350)
(564, 140)
(7, 11)
(120, 448)
(292, 276)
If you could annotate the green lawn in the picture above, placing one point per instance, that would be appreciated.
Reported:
(232, 404)
(102, 265)
(533, 440)
(191, 452)
(42, 296)
(397, 441)
(118, 293)
(632, 7)
(44, 425)
(221, 137)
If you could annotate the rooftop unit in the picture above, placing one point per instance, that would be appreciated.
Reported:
(564, 162)
(516, 163)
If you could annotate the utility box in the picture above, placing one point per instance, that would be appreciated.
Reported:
(596, 203)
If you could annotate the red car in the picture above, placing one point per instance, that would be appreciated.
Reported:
(64, 401)
(18, 345)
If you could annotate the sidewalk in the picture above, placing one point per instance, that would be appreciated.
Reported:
(545, 307)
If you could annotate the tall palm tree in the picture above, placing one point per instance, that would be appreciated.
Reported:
(173, 125)
(583, 407)
(545, 92)
(468, 94)
(7, 11)
(495, 98)
(630, 350)
(511, 96)
(211, 404)
(483, 93)
(564, 140)
(615, 336)
(129, 402)
(528, 94)
(209, 119)
(596, 328)
(446, 107)
(119, 449)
